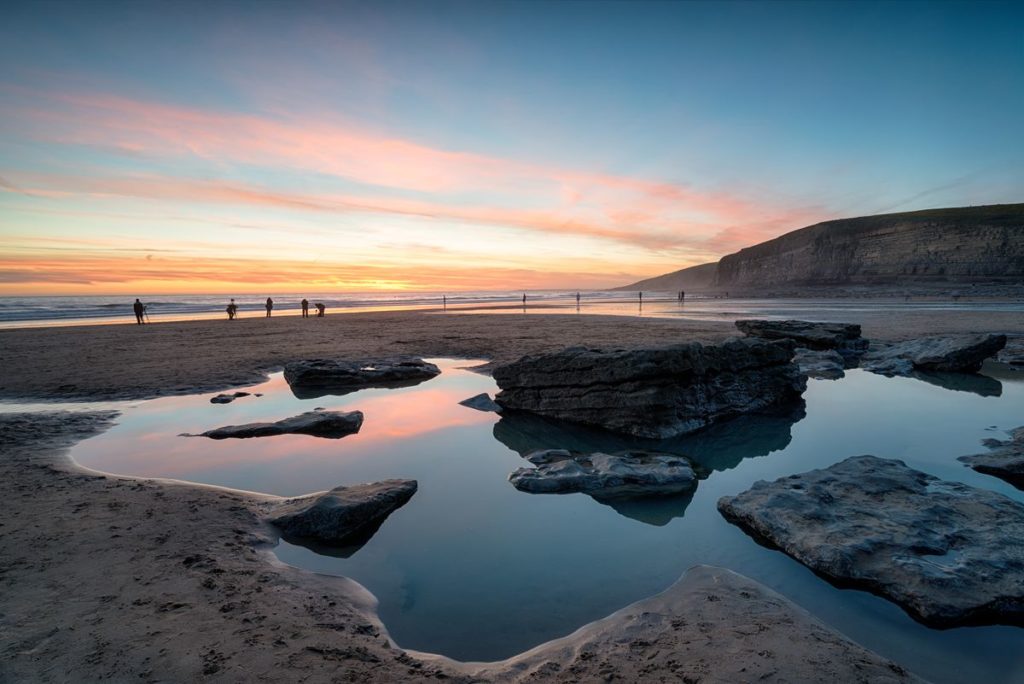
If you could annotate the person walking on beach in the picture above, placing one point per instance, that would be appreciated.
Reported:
(232, 310)
(139, 311)
(524, 301)
(320, 308)
(305, 307)
(270, 306)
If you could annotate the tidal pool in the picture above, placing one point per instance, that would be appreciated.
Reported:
(475, 570)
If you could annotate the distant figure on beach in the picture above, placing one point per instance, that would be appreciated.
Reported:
(444, 302)
(139, 311)
(305, 307)
(577, 300)
(682, 295)
(232, 310)
(320, 308)
(524, 300)
(270, 306)
(641, 298)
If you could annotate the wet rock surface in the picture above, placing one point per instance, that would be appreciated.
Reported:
(822, 364)
(481, 402)
(1004, 460)
(655, 393)
(319, 377)
(624, 474)
(947, 553)
(843, 337)
(344, 515)
(228, 398)
(318, 423)
(1013, 353)
(960, 354)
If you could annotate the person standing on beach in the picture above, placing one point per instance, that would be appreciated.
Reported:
(524, 300)
(270, 306)
(305, 307)
(232, 310)
(139, 311)
(444, 302)
(577, 300)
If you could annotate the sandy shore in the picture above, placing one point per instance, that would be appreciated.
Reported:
(123, 579)
(129, 361)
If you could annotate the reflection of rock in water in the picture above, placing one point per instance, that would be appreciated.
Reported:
(657, 511)
(719, 447)
(981, 385)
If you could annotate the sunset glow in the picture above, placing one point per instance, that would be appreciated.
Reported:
(390, 149)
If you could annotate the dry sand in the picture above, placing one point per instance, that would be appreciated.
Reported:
(121, 579)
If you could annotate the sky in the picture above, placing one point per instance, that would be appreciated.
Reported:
(196, 147)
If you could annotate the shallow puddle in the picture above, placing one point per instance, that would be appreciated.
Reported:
(476, 570)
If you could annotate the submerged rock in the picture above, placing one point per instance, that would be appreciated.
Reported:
(961, 354)
(481, 402)
(842, 337)
(318, 377)
(319, 423)
(228, 398)
(657, 393)
(344, 515)
(1005, 460)
(948, 553)
(623, 474)
(823, 364)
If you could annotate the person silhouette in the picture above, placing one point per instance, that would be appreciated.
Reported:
(444, 302)
(232, 310)
(320, 309)
(139, 311)
(577, 300)
(305, 307)
(269, 305)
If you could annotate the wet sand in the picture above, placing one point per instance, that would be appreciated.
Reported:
(123, 579)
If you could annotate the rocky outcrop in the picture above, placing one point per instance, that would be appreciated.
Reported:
(657, 393)
(960, 354)
(228, 398)
(319, 423)
(318, 377)
(948, 553)
(620, 475)
(842, 337)
(970, 244)
(344, 515)
(825, 365)
(1005, 458)
(481, 402)
(1013, 353)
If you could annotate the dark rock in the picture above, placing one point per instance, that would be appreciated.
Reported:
(227, 398)
(825, 364)
(1013, 353)
(624, 474)
(330, 424)
(838, 336)
(1005, 460)
(948, 553)
(961, 354)
(320, 377)
(656, 393)
(481, 402)
(343, 515)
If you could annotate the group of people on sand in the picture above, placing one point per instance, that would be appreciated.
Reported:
(321, 309)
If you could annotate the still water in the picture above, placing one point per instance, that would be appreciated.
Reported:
(473, 569)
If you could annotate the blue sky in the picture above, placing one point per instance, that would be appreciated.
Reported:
(465, 145)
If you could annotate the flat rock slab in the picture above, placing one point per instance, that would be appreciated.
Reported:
(1005, 460)
(329, 424)
(481, 402)
(947, 553)
(1013, 353)
(826, 364)
(344, 514)
(839, 336)
(623, 474)
(656, 393)
(228, 398)
(960, 354)
(318, 377)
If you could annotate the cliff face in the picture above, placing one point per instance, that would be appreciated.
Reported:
(695, 277)
(971, 244)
